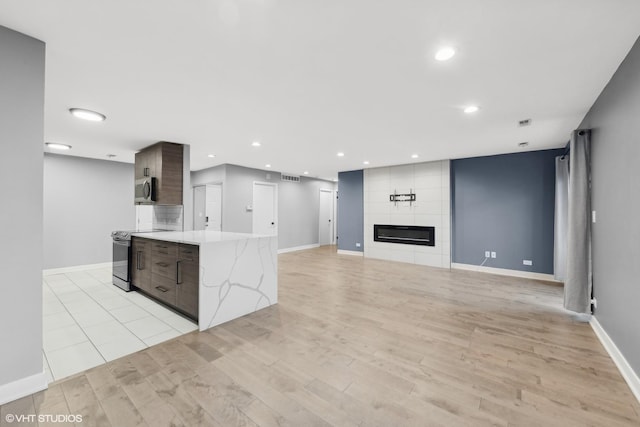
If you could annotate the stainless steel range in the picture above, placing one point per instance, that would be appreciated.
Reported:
(122, 259)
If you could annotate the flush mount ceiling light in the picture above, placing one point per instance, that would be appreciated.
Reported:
(92, 116)
(341, 154)
(414, 156)
(471, 109)
(256, 144)
(445, 53)
(211, 156)
(57, 146)
(523, 144)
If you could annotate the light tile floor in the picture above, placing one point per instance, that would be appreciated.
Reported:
(87, 321)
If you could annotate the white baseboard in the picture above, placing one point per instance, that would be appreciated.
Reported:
(23, 387)
(354, 253)
(625, 369)
(505, 272)
(298, 248)
(61, 270)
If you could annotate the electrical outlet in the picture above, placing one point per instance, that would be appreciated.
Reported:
(357, 245)
(487, 254)
(493, 254)
(527, 262)
(594, 302)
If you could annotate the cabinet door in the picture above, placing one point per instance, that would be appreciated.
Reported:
(141, 263)
(187, 288)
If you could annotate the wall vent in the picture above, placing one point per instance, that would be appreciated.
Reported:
(289, 178)
(525, 122)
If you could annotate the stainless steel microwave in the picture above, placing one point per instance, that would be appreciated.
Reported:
(145, 190)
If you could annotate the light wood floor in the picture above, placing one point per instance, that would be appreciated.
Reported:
(360, 342)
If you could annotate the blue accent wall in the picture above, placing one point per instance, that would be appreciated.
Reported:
(504, 204)
(351, 210)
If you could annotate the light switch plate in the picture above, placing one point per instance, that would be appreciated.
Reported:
(593, 216)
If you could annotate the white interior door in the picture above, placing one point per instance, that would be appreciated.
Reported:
(265, 208)
(325, 218)
(213, 207)
(199, 203)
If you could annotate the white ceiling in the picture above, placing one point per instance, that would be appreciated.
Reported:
(311, 78)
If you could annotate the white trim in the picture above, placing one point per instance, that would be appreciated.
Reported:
(625, 369)
(61, 270)
(23, 387)
(298, 248)
(505, 272)
(354, 253)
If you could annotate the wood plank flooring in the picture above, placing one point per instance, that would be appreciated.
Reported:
(361, 342)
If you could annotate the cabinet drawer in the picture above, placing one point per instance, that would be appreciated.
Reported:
(163, 288)
(188, 252)
(164, 265)
(164, 248)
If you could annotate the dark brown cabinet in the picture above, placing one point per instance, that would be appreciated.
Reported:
(163, 161)
(188, 279)
(168, 272)
(141, 263)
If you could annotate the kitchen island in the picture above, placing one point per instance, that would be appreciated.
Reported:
(213, 276)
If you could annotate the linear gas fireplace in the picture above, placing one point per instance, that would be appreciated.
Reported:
(407, 234)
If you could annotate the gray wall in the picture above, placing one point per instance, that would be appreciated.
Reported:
(298, 203)
(616, 200)
(350, 211)
(84, 201)
(504, 204)
(21, 139)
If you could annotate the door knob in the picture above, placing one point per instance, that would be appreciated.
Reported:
(273, 223)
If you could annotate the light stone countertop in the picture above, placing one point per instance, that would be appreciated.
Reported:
(197, 237)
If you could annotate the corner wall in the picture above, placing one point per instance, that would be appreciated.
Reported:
(298, 202)
(615, 162)
(84, 201)
(22, 140)
(351, 211)
(505, 204)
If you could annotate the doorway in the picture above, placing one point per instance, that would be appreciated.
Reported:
(265, 208)
(207, 207)
(326, 218)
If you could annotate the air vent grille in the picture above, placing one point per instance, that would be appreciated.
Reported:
(289, 178)
(525, 122)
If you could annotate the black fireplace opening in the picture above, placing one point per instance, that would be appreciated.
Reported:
(406, 234)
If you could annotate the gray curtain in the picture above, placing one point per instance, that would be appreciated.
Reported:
(577, 286)
(561, 218)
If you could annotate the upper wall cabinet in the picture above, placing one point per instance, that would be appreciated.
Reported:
(162, 161)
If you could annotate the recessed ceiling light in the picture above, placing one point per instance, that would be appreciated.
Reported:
(211, 155)
(56, 146)
(366, 162)
(256, 144)
(523, 144)
(341, 154)
(471, 109)
(306, 172)
(267, 165)
(414, 156)
(87, 114)
(445, 53)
